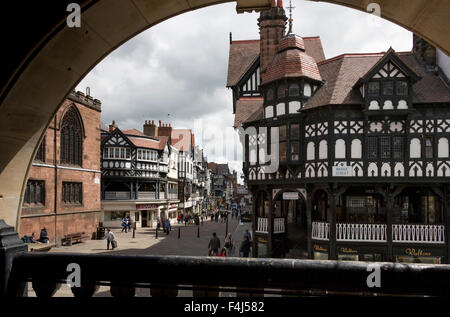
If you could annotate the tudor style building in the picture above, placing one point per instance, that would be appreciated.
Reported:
(362, 150)
(63, 188)
(135, 167)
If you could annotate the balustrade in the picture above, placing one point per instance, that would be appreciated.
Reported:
(407, 233)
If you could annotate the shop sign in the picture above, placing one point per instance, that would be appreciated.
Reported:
(348, 250)
(342, 170)
(416, 252)
(146, 206)
(320, 248)
(262, 240)
(290, 196)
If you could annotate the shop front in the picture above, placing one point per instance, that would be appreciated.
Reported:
(320, 252)
(419, 254)
(113, 213)
(261, 247)
(361, 253)
(146, 215)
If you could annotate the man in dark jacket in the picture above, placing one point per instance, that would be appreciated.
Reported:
(214, 244)
(245, 247)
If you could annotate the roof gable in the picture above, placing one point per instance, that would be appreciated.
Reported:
(117, 138)
(390, 65)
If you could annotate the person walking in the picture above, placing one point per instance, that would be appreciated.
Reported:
(167, 226)
(214, 244)
(245, 247)
(229, 244)
(124, 224)
(110, 239)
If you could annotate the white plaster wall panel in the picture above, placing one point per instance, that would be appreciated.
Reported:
(372, 170)
(310, 151)
(416, 126)
(415, 148)
(294, 106)
(386, 170)
(388, 105)
(307, 90)
(429, 170)
(281, 109)
(356, 148)
(269, 112)
(374, 105)
(323, 150)
(443, 149)
(375, 127)
(402, 104)
(396, 126)
(399, 170)
(339, 149)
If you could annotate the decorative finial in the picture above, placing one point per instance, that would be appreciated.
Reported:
(290, 16)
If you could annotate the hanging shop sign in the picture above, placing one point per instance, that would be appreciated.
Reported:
(320, 248)
(348, 250)
(416, 252)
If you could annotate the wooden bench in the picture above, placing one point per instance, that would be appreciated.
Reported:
(72, 238)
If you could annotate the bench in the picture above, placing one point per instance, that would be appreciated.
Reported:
(39, 247)
(72, 238)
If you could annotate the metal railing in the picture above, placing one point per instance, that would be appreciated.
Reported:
(367, 232)
(262, 225)
(414, 233)
(117, 195)
(320, 230)
(244, 277)
(401, 233)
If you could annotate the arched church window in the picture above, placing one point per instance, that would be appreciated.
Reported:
(71, 138)
(294, 90)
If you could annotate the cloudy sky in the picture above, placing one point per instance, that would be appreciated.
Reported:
(176, 71)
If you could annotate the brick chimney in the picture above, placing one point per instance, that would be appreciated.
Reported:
(272, 27)
(112, 126)
(150, 128)
(165, 129)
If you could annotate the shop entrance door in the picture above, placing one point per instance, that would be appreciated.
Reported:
(144, 222)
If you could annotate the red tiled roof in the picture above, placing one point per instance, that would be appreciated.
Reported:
(342, 72)
(182, 139)
(244, 53)
(245, 107)
(291, 61)
(146, 143)
(133, 132)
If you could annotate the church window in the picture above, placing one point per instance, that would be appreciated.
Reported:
(71, 138)
(40, 154)
(34, 193)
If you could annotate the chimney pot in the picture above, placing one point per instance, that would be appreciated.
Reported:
(280, 3)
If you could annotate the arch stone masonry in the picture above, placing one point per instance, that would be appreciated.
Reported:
(52, 59)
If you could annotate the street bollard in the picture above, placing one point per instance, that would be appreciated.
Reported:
(198, 232)
(156, 235)
(134, 233)
(179, 232)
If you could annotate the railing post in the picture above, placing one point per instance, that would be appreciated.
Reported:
(389, 206)
(10, 246)
(332, 221)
